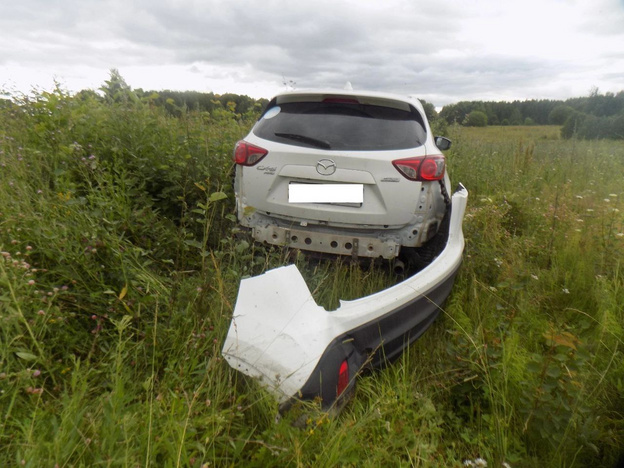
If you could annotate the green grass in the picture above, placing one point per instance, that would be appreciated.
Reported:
(120, 269)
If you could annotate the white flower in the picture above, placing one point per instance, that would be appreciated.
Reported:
(607, 200)
(580, 197)
(535, 277)
(565, 291)
(480, 462)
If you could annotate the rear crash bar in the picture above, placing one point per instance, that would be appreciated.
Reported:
(297, 349)
(328, 243)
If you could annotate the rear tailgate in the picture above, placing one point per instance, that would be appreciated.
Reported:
(388, 198)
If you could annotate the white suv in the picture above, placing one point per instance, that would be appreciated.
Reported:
(342, 172)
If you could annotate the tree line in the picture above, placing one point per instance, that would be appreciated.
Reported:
(594, 116)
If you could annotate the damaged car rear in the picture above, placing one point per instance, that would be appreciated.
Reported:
(346, 173)
(342, 173)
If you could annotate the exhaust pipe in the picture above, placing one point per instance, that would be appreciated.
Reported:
(398, 267)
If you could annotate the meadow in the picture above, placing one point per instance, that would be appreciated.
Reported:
(120, 267)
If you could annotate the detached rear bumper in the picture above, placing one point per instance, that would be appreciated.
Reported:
(280, 336)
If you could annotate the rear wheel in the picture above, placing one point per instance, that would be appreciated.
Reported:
(417, 258)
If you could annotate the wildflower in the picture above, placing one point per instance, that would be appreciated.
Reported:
(480, 462)
(589, 210)
(36, 373)
(31, 282)
(506, 465)
(565, 291)
(620, 234)
(607, 200)
(199, 289)
(613, 195)
(39, 192)
(535, 277)
(29, 248)
(92, 157)
(468, 463)
(41, 312)
(580, 197)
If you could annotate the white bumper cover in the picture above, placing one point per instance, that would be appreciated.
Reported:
(278, 333)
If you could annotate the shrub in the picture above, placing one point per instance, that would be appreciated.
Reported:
(559, 115)
(476, 119)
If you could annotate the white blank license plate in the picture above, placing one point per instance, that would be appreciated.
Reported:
(325, 193)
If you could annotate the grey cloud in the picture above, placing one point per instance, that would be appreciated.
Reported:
(392, 45)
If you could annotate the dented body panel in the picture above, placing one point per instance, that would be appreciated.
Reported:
(280, 336)
(375, 146)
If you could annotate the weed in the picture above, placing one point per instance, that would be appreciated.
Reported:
(120, 265)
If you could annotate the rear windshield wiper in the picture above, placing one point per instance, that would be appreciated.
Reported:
(305, 139)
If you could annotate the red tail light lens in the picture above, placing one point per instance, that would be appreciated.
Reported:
(343, 378)
(421, 168)
(247, 154)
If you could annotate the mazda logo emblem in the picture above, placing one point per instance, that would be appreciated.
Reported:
(326, 167)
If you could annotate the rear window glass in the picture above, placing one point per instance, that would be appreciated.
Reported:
(342, 126)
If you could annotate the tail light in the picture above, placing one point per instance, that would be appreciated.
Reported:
(247, 154)
(421, 168)
(343, 378)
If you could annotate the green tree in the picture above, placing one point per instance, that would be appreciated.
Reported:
(476, 119)
(560, 114)
(430, 110)
(116, 89)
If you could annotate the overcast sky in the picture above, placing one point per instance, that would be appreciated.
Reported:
(440, 50)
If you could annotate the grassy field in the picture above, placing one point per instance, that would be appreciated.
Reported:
(120, 268)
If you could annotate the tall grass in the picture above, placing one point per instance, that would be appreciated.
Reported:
(120, 268)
